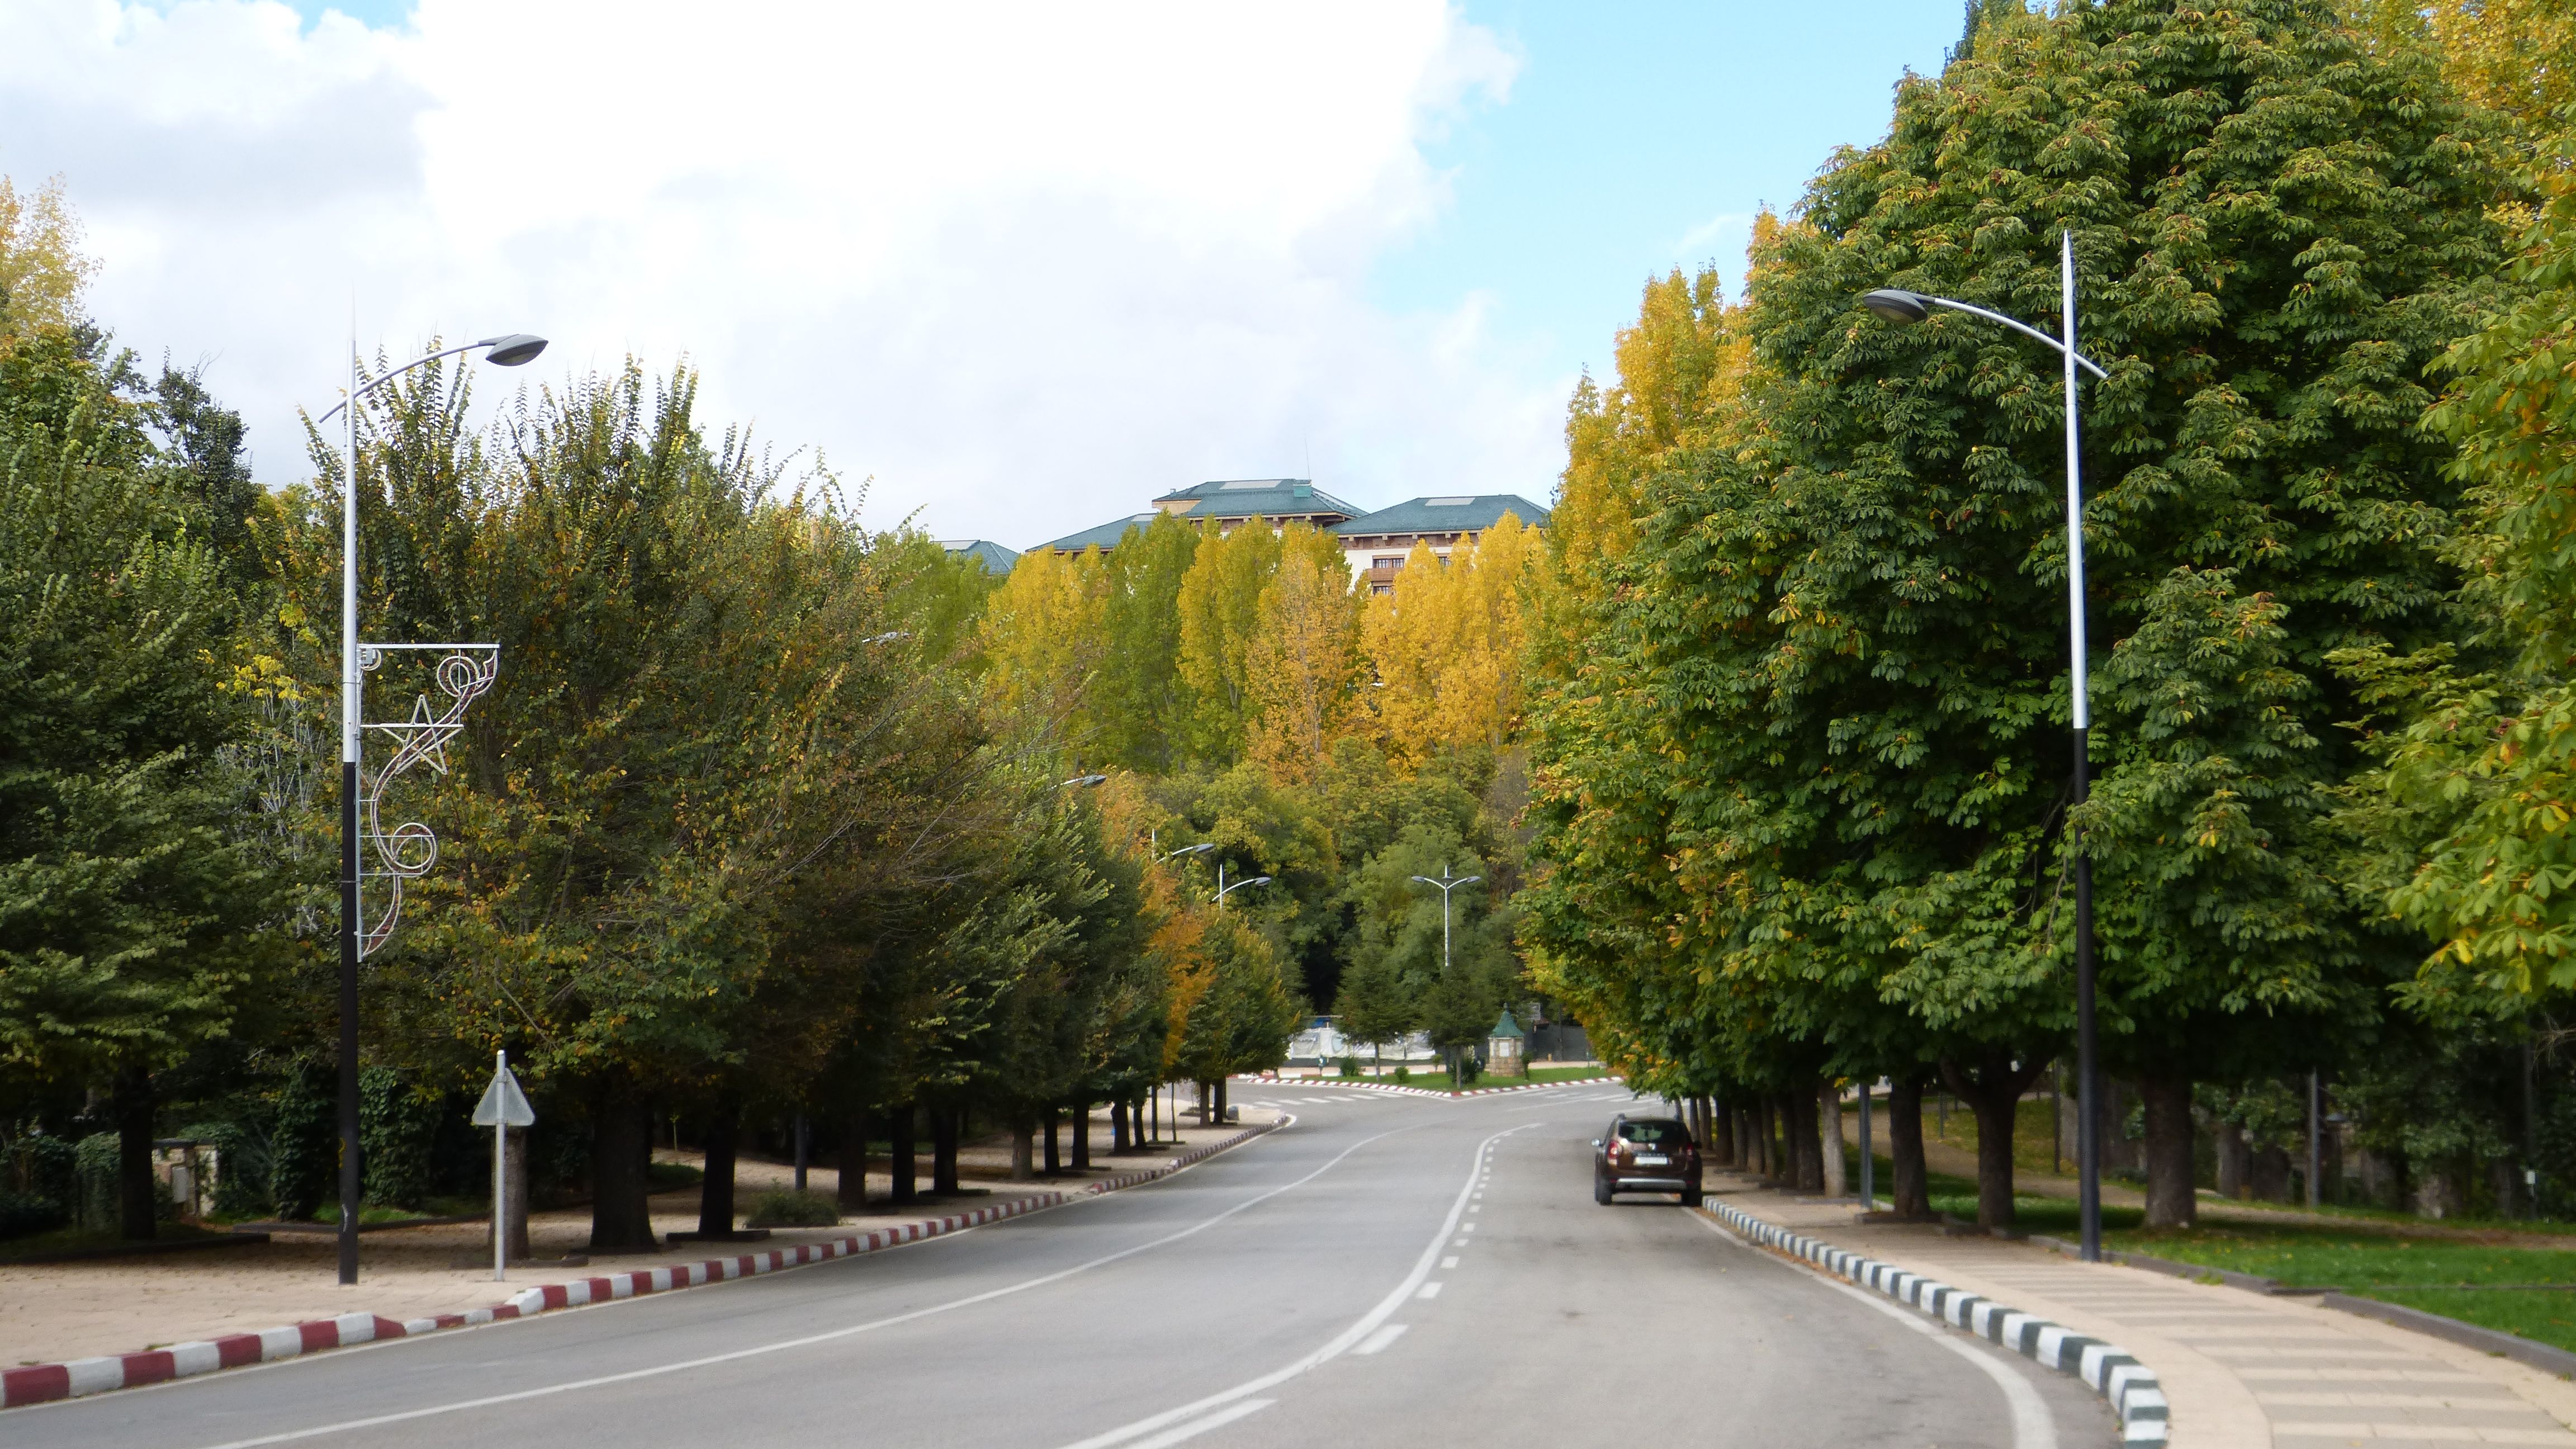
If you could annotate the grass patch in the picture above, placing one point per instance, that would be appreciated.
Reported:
(671, 1176)
(787, 1208)
(2542, 1315)
(1538, 1076)
(2315, 1256)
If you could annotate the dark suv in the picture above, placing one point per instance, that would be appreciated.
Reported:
(1645, 1154)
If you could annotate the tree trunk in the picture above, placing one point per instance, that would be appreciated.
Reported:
(1722, 1135)
(1806, 1147)
(1023, 1137)
(1829, 1126)
(1910, 1192)
(1117, 1128)
(1222, 1115)
(1993, 1091)
(621, 1215)
(1054, 1133)
(2272, 1178)
(2235, 1161)
(1778, 1135)
(715, 1194)
(851, 1192)
(137, 1215)
(903, 1183)
(946, 1125)
(2172, 1201)
(1082, 1137)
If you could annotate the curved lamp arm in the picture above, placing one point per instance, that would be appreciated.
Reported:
(507, 351)
(1898, 305)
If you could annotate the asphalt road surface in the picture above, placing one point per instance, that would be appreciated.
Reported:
(1387, 1270)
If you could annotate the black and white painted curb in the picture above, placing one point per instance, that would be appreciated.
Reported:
(2130, 1386)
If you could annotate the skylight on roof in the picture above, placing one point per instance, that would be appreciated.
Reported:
(1446, 502)
(1262, 483)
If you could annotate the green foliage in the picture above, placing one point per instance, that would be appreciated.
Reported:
(1801, 767)
(397, 1124)
(789, 1209)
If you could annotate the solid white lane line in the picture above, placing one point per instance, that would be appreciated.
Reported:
(1340, 1344)
(2033, 1428)
(1196, 1427)
(807, 1341)
(1378, 1341)
(1429, 1290)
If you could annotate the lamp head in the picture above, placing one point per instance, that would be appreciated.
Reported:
(1082, 781)
(1896, 304)
(512, 349)
(1201, 848)
(1258, 880)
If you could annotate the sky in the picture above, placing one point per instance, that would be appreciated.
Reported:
(1005, 270)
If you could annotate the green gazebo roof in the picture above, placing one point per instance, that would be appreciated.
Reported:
(1505, 1026)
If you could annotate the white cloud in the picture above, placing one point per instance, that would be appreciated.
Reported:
(1027, 264)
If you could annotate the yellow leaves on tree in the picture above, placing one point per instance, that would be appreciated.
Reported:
(1044, 632)
(1447, 645)
(1220, 603)
(2516, 57)
(42, 270)
(1302, 665)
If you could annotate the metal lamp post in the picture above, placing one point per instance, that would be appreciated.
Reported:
(1446, 884)
(1902, 306)
(409, 849)
(1223, 890)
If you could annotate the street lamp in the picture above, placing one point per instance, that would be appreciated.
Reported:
(409, 849)
(1897, 305)
(1446, 884)
(1081, 782)
(1223, 890)
(1202, 848)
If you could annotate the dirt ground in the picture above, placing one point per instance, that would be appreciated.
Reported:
(55, 1311)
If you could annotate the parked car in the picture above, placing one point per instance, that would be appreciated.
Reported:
(1645, 1154)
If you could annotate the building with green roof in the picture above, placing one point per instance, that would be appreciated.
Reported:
(1375, 543)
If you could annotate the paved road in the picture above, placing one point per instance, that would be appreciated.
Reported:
(1388, 1269)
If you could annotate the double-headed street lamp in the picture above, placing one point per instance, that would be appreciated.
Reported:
(410, 849)
(1445, 885)
(1902, 306)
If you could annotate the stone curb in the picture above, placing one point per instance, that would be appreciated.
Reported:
(44, 1383)
(2132, 1388)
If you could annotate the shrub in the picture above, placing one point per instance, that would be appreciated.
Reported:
(1403, 1075)
(24, 1213)
(789, 1209)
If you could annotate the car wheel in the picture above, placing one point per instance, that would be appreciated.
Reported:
(1601, 1191)
(1691, 1197)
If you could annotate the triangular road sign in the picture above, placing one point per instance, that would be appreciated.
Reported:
(503, 1104)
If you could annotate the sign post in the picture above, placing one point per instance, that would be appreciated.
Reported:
(503, 1107)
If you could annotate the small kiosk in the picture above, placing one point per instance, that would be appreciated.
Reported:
(1503, 1047)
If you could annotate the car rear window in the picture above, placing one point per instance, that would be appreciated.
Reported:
(1659, 1134)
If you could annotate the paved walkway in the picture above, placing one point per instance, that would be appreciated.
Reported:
(2242, 1370)
(55, 1311)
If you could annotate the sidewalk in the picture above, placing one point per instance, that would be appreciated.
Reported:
(58, 1311)
(2241, 1370)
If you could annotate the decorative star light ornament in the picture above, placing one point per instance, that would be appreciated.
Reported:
(408, 850)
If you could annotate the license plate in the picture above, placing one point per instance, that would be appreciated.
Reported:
(1644, 1161)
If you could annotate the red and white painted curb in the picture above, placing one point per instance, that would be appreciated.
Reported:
(1426, 1091)
(43, 1383)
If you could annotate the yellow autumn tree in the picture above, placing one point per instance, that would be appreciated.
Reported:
(1447, 646)
(42, 270)
(1220, 605)
(1302, 663)
(1044, 632)
(2514, 57)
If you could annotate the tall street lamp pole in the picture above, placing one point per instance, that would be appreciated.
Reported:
(506, 351)
(1897, 305)
(1223, 890)
(1446, 884)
